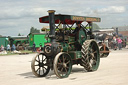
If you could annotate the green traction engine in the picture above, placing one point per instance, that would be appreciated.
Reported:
(68, 45)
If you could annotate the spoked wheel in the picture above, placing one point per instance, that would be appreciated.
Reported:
(90, 55)
(62, 65)
(39, 65)
(104, 52)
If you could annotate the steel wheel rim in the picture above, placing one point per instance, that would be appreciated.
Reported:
(62, 65)
(90, 55)
(104, 54)
(93, 54)
(40, 66)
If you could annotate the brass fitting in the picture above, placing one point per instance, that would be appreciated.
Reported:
(51, 11)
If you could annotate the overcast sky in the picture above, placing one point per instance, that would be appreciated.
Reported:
(18, 16)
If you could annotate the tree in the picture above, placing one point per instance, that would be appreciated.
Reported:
(95, 26)
(0, 35)
(19, 34)
(34, 30)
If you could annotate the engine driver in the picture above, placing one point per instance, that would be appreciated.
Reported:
(75, 33)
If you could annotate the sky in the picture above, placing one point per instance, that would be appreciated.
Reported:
(18, 16)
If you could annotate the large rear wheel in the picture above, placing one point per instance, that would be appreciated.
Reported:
(62, 65)
(40, 66)
(90, 55)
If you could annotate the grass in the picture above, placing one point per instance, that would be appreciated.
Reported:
(11, 53)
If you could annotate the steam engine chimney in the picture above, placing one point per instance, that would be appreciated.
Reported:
(52, 25)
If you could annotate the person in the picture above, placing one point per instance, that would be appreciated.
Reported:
(60, 35)
(34, 47)
(8, 47)
(114, 43)
(119, 43)
(13, 47)
(2, 48)
(77, 28)
(75, 33)
(106, 41)
(41, 48)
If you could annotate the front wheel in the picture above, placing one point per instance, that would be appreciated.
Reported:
(40, 66)
(62, 65)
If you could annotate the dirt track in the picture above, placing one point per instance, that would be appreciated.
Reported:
(113, 70)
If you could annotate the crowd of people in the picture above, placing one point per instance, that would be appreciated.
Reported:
(112, 41)
(13, 48)
(116, 43)
(8, 48)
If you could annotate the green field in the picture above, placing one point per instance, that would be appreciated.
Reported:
(22, 52)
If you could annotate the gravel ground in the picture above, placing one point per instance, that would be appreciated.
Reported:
(113, 70)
